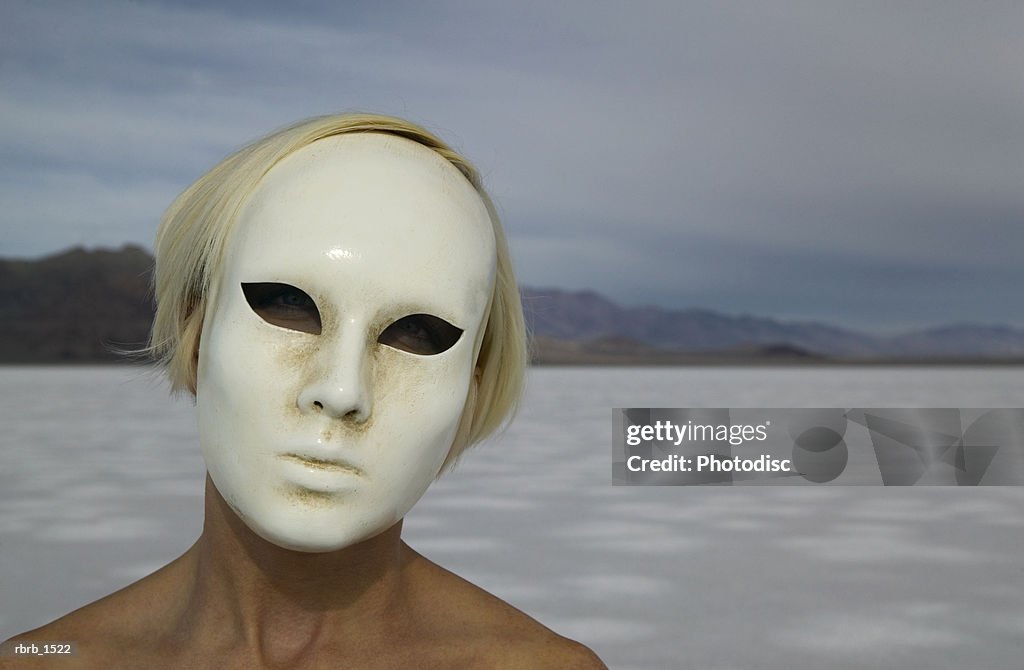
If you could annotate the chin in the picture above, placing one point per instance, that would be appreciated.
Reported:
(311, 545)
(313, 533)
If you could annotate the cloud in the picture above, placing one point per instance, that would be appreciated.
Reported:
(627, 138)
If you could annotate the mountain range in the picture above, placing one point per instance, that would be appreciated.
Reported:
(82, 305)
(586, 315)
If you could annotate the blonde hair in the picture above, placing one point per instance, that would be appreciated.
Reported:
(193, 234)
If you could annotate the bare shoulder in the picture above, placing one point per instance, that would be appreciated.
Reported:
(490, 632)
(102, 634)
(98, 635)
(44, 647)
(556, 653)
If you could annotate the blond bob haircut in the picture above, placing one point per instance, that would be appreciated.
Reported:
(195, 229)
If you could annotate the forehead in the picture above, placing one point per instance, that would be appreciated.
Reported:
(370, 210)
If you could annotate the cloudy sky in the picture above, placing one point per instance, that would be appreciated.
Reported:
(860, 163)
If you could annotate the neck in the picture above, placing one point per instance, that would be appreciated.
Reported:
(280, 604)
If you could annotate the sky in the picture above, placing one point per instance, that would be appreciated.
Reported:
(855, 163)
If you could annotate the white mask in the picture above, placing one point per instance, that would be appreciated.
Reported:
(319, 440)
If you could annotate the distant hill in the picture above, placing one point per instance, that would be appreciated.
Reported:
(583, 315)
(75, 306)
(80, 305)
(586, 315)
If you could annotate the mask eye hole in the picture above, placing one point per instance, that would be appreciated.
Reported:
(283, 305)
(421, 334)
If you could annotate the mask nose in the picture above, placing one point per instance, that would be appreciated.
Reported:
(339, 385)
